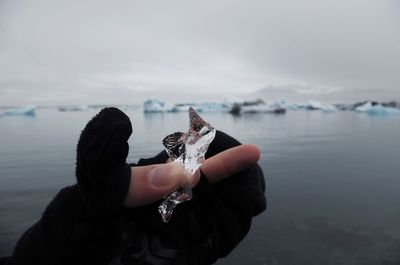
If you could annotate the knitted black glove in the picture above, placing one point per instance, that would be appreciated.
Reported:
(101, 170)
(206, 228)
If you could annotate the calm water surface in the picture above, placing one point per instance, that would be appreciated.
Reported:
(333, 180)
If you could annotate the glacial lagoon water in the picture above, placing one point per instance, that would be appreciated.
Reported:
(333, 180)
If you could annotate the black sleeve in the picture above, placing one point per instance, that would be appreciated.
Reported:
(64, 235)
(218, 217)
(82, 223)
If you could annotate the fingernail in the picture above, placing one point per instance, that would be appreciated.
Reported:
(163, 175)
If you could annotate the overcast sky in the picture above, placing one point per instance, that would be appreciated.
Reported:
(56, 52)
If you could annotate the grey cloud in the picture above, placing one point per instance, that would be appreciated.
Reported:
(52, 47)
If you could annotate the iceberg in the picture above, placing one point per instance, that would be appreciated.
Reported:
(73, 108)
(202, 107)
(261, 109)
(283, 104)
(157, 106)
(28, 110)
(329, 108)
(392, 104)
(154, 106)
(316, 105)
(256, 106)
(237, 106)
(344, 107)
(212, 107)
(376, 109)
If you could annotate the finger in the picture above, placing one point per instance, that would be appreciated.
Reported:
(229, 162)
(151, 183)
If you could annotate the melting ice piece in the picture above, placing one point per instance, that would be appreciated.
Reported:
(189, 149)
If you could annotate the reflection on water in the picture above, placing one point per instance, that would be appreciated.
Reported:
(332, 179)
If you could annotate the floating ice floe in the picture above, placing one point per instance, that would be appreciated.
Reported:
(345, 107)
(157, 106)
(316, 105)
(277, 107)
(202, 107)
(283, 104)
(73, 108)
(256, 106)
(376, 109)
(25, 110)
(262, 109)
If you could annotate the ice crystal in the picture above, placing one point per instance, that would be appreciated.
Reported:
(189, 149)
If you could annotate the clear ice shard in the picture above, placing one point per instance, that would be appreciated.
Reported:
(188, 149)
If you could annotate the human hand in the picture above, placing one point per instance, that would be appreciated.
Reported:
(106, 180)
(153, 182)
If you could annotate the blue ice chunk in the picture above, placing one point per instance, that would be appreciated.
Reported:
(154, 106)
(28, 110)
(73, 108)
(376, 109)
(315, 105)
(260, 108)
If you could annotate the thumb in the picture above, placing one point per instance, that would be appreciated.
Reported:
(151, 183)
